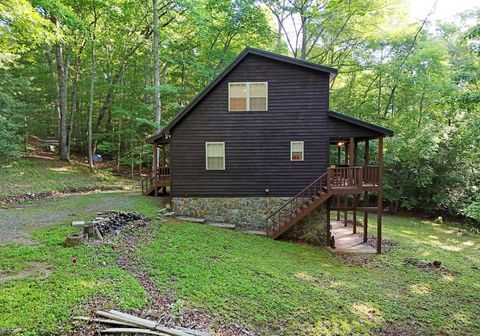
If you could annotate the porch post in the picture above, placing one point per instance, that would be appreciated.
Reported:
(379, 197)
(155, 156)
(345, 210)
(365, 194)
(346, 153)
(339, 149)
(163, 156)
(351, 147)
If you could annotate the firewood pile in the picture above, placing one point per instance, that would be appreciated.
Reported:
(107, 222)
(122, 323)
(114, 221)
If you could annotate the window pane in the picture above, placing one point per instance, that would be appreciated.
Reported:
(258, 104)
(297, 147)
(238, 104)
(238, 90)
(297, 156)
(215, 163)
(258, 90)
(215, 150)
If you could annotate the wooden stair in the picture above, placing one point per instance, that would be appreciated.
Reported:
(298, 207)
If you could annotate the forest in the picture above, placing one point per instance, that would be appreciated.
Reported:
(103, 75)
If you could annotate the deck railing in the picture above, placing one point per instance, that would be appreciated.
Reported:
(158, 177)
(352, 177)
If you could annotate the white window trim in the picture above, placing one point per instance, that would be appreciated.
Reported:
(206, 153)
(291, 150)
(248, 96)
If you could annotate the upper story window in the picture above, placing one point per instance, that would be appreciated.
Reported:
(248, 96)
(296, 150)
(215, 155)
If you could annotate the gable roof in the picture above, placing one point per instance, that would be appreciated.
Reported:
(343, 117)
(247, 51)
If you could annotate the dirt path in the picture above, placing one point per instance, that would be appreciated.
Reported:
(17, 223)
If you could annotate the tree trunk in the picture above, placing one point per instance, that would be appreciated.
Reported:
(62, 95)
(303, 54)
(91, 93)
(156, 65)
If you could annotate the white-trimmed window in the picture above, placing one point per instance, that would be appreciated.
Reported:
(215, 155)
(248, 96)
(296, 150)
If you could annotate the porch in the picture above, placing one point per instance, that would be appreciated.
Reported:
(158, 182)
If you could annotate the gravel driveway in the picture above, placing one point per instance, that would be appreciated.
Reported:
(17, 223)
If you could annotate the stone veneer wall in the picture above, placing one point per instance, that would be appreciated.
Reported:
(250, 213)
(312, 228)
(245, 212)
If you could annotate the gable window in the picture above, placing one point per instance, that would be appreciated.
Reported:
(248, 96)
(215, 155)
(296, 150)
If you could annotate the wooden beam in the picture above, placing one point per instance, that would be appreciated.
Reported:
(380, 195)
(339, 150)
(345, 211)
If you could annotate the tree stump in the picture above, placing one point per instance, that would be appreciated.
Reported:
(74, 240)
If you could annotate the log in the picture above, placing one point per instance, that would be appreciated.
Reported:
(100, 320)
(132, 330)
(147, 323)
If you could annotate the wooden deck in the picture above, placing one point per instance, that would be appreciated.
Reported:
(347, 241)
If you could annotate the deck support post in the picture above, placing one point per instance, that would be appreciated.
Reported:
(328, 222)
(366, 202)
(345, 210)
(337, 204)
(379, 197)
(354, 215)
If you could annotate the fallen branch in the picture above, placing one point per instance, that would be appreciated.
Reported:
(132, 330)
(100, 320)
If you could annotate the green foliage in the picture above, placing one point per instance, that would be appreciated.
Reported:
(49, 175)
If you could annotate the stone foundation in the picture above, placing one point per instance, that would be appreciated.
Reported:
(249, 213)
(312, 228)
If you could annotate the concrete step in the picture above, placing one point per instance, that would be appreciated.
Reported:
(193, 219)
(222, 225)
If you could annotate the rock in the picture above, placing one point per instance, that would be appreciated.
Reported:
(437, 263)
(438, 220)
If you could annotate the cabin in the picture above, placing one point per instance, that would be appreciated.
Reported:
(260, 148)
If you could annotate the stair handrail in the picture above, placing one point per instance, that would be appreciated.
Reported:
(292, 203)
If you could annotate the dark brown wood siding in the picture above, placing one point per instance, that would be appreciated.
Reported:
(257, 144)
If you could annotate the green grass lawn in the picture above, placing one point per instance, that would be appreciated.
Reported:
(271, 287)
(35, 175)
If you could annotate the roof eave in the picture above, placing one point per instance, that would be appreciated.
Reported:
(379, 129)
